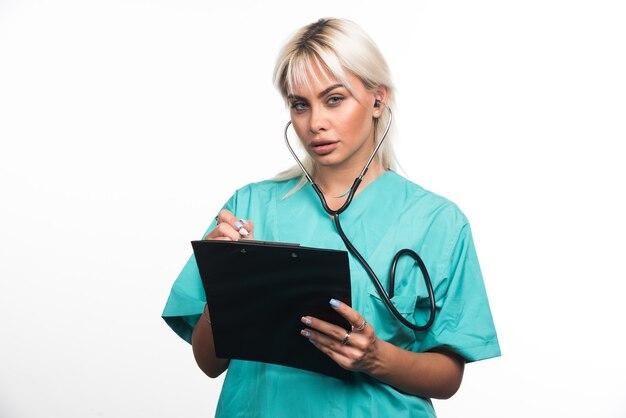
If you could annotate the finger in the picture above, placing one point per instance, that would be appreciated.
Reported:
(223, 230)
(324, 340)
(248, 225)
(347, 356)
(340, 358)
(334, 331)
(354, 346)
(353, 317)
(360, 327)
(243, 226)
(226, 216)
(361, 340)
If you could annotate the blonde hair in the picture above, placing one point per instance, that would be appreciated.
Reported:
(335, 45)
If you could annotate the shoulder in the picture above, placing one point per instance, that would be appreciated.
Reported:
(424, 203)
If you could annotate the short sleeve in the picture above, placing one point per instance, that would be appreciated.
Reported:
(187, 298)
(464, 323)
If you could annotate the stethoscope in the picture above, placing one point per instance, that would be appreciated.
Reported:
(334, 214)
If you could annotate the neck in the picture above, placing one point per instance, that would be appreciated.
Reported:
(336, 181)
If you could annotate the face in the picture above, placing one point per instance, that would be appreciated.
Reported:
(335, 125)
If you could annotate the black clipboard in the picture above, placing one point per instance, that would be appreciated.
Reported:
(257, 292)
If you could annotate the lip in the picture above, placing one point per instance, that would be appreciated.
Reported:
(323, 146)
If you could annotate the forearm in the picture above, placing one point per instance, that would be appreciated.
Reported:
(204, 350)
(429, 375)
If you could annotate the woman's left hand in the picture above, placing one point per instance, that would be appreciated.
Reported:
(356, 350)
(429, 374)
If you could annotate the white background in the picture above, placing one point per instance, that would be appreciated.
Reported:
(124, 125)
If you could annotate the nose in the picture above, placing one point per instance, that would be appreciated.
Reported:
(318, 121)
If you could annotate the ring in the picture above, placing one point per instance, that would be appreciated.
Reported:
(346, 338)
(362, 326)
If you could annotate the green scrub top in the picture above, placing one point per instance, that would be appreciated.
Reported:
(390, 214)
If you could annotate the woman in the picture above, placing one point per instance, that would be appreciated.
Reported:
(338, 88)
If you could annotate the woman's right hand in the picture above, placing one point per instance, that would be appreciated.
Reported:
(231, 228)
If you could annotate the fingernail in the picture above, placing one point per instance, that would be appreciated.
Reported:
(244, 232)
(312, 341)
(238, 225)
(334, 303)
(306, 320)
(245, 222)
(305, 333)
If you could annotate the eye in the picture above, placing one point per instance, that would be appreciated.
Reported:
(299, 106)
(335, 100)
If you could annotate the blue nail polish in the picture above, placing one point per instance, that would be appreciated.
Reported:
(305, 333)
(245, 222)
(306, 320)
(334, 303)
(312, 342)
(238, 225)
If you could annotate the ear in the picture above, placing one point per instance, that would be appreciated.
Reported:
(380, 100)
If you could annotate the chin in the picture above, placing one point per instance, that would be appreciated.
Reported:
(326, 160)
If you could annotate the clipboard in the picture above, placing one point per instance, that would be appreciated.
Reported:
(257, 291)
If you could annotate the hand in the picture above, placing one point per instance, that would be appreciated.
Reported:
(357, 350)
(429, 375)
(231, 228)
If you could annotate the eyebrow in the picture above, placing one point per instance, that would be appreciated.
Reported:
(321, 94)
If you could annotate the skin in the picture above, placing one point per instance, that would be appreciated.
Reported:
(227, 229)
(336, 126)
(343, 116)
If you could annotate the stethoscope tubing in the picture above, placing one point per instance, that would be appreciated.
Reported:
(385, 296)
